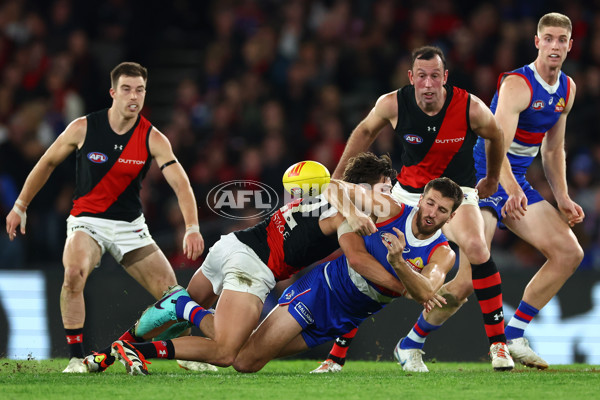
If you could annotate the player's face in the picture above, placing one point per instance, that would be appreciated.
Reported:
(128, 96)
(383, 186)
(553, 44)
(428, 78)
(434, 211)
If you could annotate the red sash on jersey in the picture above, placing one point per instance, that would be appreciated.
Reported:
(446, 145)
(119, 177)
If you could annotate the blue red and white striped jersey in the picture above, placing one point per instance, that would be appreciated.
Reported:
(545, 107)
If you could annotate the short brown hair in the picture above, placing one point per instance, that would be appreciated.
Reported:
(127, 69)
(448, 188)
(368, 168)
(556, 20)
(427, 53)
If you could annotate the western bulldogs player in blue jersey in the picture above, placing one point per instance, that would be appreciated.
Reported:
(333, 298)
(531, 105)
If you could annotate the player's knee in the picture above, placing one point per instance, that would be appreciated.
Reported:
(74, 278)
(476, 251)
(224, 358)
(246, 366)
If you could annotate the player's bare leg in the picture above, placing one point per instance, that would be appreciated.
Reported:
(563, 253)
(80, 256)
(277, 336)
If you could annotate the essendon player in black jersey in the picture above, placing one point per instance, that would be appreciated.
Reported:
(437, 125)
(114, 149)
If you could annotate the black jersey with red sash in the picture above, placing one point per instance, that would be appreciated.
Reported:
(291, 238)
(110, 169)
(438, 145)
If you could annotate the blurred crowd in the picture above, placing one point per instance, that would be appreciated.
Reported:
(257, 85)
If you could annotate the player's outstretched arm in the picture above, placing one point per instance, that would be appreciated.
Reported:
(347, 198)
(67, 142)
(160, 148)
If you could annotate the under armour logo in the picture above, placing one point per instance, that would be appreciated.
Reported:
(118, 147)
(499, 316)
(431, 128)
(162, 353)
(74, 339)
(340, 341)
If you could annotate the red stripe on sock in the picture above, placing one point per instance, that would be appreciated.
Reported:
(161, 349)
(485, 283)
(338, 351)
(350, 334)
(494, 330)
(194, 312)
(420, 331)
(128, 337)
(524, 316)
(487, 306)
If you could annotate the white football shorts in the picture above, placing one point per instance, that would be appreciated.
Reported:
(233, 265)
(116, 237)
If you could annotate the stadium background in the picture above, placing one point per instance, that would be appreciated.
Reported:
(245, 88)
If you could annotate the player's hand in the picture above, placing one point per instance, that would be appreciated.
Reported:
(395, 245)
(435, 301)
(16, 217)
(486, 187)
(572, 211)
(361, 223)
(515, 206)
(193, 243)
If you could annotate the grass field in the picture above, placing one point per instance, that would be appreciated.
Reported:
(289, 380)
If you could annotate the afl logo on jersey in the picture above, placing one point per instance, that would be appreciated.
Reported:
(414, 139)
(97, 158)
(538, 105)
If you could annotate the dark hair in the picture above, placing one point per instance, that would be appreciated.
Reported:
(427, 53)
(127, 69)
(448, 188)
(368, 168)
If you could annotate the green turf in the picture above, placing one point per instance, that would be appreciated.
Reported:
(287, 380)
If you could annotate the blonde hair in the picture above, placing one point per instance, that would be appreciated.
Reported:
(556, 20)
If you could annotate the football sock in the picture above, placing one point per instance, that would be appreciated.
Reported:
(340, 347)
(188, 309)
(519, 322)
(75, 342)
(158, 349)
(418, 334)
(488, 289)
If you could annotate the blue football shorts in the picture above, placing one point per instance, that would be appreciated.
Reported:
(496, 201)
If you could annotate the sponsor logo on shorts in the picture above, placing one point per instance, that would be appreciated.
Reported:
(289, 295)
(242, 199)
(80, 227)
(304, 312)
(97, 157)
(492, 199)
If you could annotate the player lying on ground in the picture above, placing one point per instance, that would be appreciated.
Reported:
(333, 297)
